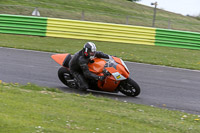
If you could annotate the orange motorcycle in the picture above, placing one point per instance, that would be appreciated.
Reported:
(114, 69)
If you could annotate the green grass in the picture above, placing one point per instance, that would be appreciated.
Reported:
(112, 11)
(175, 57)
(32, 109)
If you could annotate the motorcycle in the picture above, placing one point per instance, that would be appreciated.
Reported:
(114, 69)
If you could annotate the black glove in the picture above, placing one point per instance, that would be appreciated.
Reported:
(101, 78)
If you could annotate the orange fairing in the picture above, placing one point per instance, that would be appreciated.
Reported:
(97, 66)
(118, 60)
(111, 69)
(110, 84)
(122, 71)
(59, 58)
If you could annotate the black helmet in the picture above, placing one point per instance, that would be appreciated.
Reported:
(89, 50)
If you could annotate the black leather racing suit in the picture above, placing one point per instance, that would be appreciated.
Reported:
(79, 68)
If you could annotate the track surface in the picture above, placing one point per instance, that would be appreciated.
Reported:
(172, 88)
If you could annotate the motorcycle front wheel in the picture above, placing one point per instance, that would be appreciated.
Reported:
(129, 88)
(66, 78)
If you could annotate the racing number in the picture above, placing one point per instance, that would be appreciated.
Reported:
(118, 77)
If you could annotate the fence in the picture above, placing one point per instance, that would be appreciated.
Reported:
(41, 26)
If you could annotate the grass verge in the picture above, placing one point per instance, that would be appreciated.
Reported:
(175, 57)
(32, 109)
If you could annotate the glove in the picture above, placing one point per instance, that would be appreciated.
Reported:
(101, 78)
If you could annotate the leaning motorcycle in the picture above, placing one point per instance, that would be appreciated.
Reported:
(114, 69)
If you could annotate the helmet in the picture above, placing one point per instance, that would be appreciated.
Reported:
(89, 50)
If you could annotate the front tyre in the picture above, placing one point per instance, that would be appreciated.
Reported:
(66, 78)
(129, 87)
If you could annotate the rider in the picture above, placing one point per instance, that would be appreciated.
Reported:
(79, 65)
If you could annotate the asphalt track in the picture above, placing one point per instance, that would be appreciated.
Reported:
(166, 87)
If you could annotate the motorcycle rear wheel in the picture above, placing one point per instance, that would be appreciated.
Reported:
(129, 88)
(66, 78)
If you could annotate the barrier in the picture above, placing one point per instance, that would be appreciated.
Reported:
(27, 25)
(100, 31)
(180, 39)
(96, 31)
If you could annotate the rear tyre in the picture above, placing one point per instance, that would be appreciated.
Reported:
(66, 78)
(129, 87)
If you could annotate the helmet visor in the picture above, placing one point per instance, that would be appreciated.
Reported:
(92, 55)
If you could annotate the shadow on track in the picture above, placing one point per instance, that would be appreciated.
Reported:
(116, 96)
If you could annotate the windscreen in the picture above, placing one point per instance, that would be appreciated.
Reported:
(111, 63)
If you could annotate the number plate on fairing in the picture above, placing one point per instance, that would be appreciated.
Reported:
(118, 76)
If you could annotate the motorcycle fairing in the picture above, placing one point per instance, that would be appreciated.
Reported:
(98, 66)
(109, 84)
(59, 58)
(111, 70)
(124, 65)
(118, 76)
(120, 69)
(120, 61)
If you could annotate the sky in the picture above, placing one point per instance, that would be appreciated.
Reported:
(184, 7)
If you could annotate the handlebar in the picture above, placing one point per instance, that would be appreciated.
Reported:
(106, 73)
